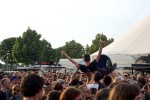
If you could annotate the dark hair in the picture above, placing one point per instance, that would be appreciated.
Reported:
(31, 85)
(103, 94)
(3, 81)
(70, 93)
(87, 58)
(139, 85)
(142, 80)
(74, 82)
(98, 76)
(53, 95)
(93, 90)
(107, 80)
(57, 86)
(80, 83)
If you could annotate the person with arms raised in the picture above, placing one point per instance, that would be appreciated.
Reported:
(91, 66)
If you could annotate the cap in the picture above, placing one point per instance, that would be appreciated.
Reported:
(13, 78)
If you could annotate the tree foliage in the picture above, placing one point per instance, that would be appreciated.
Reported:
(46, 51)
(95, 43)
(26, 49)
(6, 50)
(73, 49)
(87, 48)
(57, 54)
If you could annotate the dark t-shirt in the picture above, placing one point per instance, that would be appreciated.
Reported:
(3, 96)
(19, 97)
(92, 67)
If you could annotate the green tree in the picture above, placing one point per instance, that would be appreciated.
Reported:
(27, 48)
(46, 51)
(57, 54)
(6, 50)
(74, 50)
(95, 43)
(87, 48)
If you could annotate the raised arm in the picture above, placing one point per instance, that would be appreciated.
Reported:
(101, 45)
(74, 75)
(75, 63)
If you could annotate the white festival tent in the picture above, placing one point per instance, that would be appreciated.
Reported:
(127, 48)
(69, 65)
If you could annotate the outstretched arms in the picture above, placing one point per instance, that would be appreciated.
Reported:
(75, 63)
(101, 45)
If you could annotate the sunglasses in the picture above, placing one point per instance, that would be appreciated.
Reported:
(17, 90)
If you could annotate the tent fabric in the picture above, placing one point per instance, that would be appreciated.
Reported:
(135, 41)
(130, 45)
(121, 60)
(68, 64)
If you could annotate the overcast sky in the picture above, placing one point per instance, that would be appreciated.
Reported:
(60, 21)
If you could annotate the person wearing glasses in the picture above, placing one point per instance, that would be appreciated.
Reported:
(16, 93)
(85, 91)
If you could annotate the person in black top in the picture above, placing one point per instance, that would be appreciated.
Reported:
(5, 89)
(90, 66)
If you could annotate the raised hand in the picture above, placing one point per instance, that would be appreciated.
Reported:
(101, 43)
(75, 63)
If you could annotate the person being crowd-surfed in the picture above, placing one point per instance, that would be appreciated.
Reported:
(92, 66)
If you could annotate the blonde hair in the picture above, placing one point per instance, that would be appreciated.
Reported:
(124, 91)
(15, 89)
(70, 93)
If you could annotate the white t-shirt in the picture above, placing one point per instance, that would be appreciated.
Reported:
(92, 86)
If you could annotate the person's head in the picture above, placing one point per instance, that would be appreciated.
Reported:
(142, 80)
(46, 89)
(31, 86)
(124, 91)
(98, 76)
(17, 73)
(53, 95)
(71, 93)
(107, 80)
(103, 94)
(86, 58)
(93, 93)
(126, 76)
(61, 81)
(74, 82)
(16, 89)
(85, 91)
(57, 86)
(134, 78)
(14, 79)
(5, 84)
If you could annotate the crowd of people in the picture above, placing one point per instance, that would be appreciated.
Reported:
(88, 82)
(76, 86)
